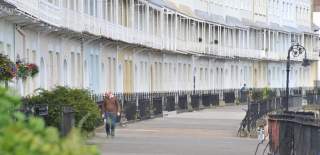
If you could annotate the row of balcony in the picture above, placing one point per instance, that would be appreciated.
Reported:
(80, 22)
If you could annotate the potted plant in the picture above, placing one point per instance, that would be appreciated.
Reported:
(33, 69)
(24, 70)
(7, 69)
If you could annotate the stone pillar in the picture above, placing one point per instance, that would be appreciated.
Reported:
(237, 97)
(189, 106)
(200, 102)
(221, 101)
(137, 105)
(150, 97)
(176, 101)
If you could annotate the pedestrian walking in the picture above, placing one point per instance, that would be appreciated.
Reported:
(111, 109)
(243, 92)
(243, 88)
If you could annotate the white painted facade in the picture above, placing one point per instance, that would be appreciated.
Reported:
(158, 45)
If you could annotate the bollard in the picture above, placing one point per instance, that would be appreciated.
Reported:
(221, 100)
(67, 120)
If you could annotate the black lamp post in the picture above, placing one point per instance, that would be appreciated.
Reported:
(296, 50)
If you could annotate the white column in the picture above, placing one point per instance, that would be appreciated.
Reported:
(269, 37)
(188, 33)
(219, 40)
(116, 12)
(209, 44)
(138, 14)
(167, 36)
(161, 26)
(203, 37)
(147, 22)
(243, 39)
(198, 32)
(264, 39)
(248, 38)
(132, 14)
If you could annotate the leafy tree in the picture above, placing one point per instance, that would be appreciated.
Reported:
(21, 136)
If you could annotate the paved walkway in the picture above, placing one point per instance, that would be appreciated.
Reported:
(207, 132)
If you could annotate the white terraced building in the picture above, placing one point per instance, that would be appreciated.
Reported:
(159, 45)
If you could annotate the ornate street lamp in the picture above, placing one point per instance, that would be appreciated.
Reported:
(296, 50)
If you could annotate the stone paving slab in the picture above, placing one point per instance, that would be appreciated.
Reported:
(206, 132)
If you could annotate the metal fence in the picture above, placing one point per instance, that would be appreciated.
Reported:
(257, 109)
(294, 133)
(146, 105)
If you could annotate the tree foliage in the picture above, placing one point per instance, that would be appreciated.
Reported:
(21, 136)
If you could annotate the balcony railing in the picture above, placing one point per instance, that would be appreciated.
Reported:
(79, 21)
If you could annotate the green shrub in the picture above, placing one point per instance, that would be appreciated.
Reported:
(19, 136)
(265, 94)
(257, 95)
(268, 93)
(78, 99)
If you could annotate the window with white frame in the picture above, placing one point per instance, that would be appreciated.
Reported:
(50, 69)
(54, 2)
(58, 67)
(65, 73)
(86, 6)
(42, 73)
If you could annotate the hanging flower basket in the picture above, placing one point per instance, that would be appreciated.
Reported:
(22, 71)
(7, 68)
(33, 69)
(26, 70)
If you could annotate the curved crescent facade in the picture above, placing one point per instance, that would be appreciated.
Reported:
(159, 45)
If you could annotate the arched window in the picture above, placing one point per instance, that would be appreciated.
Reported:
(65, 73)
(85, 74)
(42, 73)
(73, 80)
(269, 77)
(221, 78)
(136, 77)
(217, 78)
(255, 78)
(103, 78)
(58, 69)
(120, 75)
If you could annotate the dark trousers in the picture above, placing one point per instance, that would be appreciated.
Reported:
(110, 122)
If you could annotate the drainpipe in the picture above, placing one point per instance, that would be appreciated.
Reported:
(20, 31)
(82, 63)
(14, 42)
(14, 52)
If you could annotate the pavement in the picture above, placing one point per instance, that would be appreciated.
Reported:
(206, 132)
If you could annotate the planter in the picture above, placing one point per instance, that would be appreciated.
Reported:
(7, 69)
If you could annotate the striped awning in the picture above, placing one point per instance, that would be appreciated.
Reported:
(186, 10)
(158, 2)
(171, 4)
(315, 27)
(275, 26)
(291, 29)
(232, 21)
(256, 25)
(210, 17)
(305, 29)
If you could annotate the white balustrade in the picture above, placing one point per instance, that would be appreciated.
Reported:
(78, 21)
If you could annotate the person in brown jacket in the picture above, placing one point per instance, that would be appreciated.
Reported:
(111, 110)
